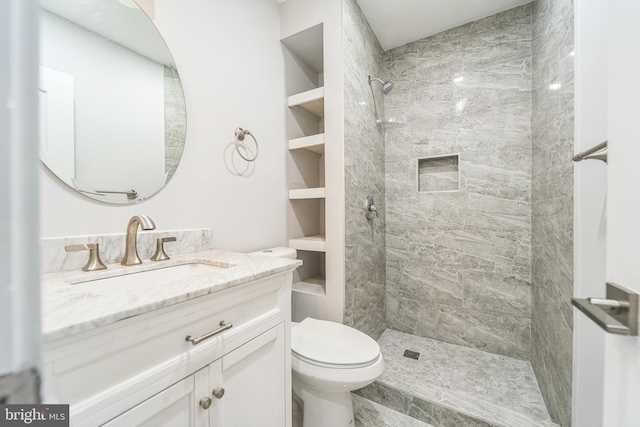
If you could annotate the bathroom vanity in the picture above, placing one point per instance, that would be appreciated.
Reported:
(208, 349)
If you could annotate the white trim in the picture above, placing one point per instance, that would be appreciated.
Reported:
(19, 197)
(590, 179)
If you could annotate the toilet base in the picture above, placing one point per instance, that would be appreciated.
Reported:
(322, 409)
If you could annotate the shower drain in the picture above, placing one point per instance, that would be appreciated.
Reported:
(411, 354)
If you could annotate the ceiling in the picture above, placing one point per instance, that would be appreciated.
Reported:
(399, 22)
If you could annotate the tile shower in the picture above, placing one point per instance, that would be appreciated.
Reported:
(364, 175)
(473, 179)
(458, 262)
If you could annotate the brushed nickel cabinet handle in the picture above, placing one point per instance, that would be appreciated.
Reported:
(205, 402)
(223, 327)
(218, 392)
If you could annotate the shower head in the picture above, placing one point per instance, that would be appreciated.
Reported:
(386, 86)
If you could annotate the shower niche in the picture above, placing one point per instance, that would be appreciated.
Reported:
(439, 173)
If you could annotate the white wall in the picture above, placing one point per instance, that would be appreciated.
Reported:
(590, 179)
(230, 60)
(119, 129)
(19, 274)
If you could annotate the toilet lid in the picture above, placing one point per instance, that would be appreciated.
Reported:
(330, 343)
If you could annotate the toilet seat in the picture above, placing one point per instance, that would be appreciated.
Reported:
(332, 345)
(329, 365)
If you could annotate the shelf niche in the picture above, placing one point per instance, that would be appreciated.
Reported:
(310, 277)
(307, 193)
(304, 70)
(315, 243)
(305, 127)
(439, 174)
(311, 101)
(313, 143)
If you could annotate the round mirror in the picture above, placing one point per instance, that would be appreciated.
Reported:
(112, 109)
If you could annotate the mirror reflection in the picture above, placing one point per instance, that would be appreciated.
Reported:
(112, 109)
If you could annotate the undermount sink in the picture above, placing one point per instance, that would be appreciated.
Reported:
(158, 276)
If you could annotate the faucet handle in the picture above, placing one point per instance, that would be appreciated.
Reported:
(94, 262)
(370, 210)
(160, 254)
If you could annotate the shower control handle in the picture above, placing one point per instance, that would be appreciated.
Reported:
(370, 210)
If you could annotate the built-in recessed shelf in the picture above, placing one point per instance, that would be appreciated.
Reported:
(311, 243)
(314, 286)
(307, 45)
(311, 101)
(307, 193)
(439, 174)
(313, 143)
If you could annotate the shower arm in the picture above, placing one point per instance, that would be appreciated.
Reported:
(386, 86)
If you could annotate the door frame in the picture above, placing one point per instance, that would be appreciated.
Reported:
(19, 199)
(590, 185)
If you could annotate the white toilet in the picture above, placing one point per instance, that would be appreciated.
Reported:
(329, 361)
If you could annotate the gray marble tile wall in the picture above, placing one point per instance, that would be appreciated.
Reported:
(174, 121)
(458, 262)
(552, 203)
(364, 174)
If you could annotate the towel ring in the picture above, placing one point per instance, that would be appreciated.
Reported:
(240, 134)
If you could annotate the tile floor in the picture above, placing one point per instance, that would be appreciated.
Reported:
(448, 386)
(458, 386)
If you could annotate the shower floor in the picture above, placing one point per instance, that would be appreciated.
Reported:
(451, 385)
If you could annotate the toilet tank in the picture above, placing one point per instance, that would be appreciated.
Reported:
(278, 252)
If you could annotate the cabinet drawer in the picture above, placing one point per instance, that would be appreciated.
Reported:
(142, 349)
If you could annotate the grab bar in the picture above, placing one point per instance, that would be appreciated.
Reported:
(597, 152)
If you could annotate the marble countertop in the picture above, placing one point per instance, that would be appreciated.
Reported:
(68, 309)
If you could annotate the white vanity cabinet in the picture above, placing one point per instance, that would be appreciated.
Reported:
(142, 370)
(243, 388)
(252, 378)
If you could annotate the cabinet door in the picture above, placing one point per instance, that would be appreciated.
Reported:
(178, 405)
(253, 377)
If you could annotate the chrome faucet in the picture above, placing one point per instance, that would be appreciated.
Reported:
(131, 248)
